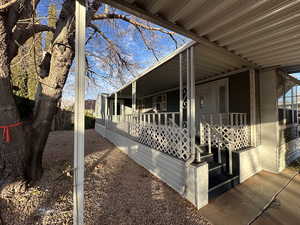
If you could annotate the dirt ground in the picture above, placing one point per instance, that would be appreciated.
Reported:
(117, 190)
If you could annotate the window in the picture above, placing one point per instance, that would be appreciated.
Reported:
(159, 103)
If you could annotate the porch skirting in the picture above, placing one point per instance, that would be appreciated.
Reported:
(169, 169)
(249, 162)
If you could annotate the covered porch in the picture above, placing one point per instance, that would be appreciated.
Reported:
(190, 114)
(181, 108)
(212, 106)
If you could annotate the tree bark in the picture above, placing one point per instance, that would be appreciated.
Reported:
(51, 87)
(22, 158)
(13, 154)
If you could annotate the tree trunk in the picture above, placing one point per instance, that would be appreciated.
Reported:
(13, 154)
(51, 87)
(23, 156)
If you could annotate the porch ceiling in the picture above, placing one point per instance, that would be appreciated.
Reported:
(260, 33)
(165, 74)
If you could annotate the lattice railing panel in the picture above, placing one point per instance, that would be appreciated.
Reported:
(235, 137)
(168, 139)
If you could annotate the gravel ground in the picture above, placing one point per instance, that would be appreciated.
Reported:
(117, 190)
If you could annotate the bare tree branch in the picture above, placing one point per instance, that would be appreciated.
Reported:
(139, 26)
(146, 43)
(20, 36)
(132, 21)
(8, 4)
(113, 47)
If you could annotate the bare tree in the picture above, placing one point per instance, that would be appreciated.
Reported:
(22, 157)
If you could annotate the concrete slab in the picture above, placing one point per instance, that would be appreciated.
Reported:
(239, 205)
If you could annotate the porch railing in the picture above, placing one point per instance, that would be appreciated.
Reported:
(156, 130)
(162, 132)
(216, 128)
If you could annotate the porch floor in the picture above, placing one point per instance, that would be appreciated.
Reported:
(240, 204)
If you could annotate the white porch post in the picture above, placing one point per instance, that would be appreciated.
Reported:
(292, 105)
(252, 107)
(100, 104)
(78, 192)
(191, 99)
(193, 112)
(106, 110)
(97, 106)
(284, 102)
(133, 97)
(180, 93)
(297, 117)
(116, 106)
(122, 109)
(188, 91)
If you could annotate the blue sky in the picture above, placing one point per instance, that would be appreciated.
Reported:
(132, 44)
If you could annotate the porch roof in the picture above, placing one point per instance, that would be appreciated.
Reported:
(164, 75)
(264, 33)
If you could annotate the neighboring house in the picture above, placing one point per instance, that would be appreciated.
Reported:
(200, 129)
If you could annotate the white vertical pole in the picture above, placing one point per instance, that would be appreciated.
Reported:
(133, 97)
(252, 107)
(78, 191)
(292, 104)
(297, 118)
(106, 110)
(188, 91)
(180, 93)
(193, 111)
(116, 106)
(159, 119)
(210, 133)
(284, 102)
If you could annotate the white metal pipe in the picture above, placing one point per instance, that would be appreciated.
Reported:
(180, 92)
(292, 104)
(188, 90)
(284, 101)
(209, 132)
(116, 104)
(193, 102)
(133, 92)
(297, 116)
(78, 189)
(252, 106)
(230, 160)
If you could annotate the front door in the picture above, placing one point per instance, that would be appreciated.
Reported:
(211, 98)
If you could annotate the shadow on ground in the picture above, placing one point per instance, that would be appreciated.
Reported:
(117, 190)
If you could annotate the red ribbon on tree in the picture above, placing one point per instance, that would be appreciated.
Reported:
(6, 133)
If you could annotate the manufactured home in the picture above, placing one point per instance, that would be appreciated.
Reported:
(203, 134)
(219, 109)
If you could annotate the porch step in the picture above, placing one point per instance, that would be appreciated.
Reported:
(207, 157)
(220, 184)
(216, 169)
